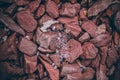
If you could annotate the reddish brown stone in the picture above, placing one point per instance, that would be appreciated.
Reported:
(71, 25)
(87, 75)
(72, 50)
(104, 51)
(44, 39)
(101, 40)
(89, 51)
(11, 24)
(82, 14)
(101, 73)
(85, 62)
(30, 63)
(26, 21)
(52, 9)
(56, 59)
(116, 38)
(69, 9)
(90, 27)
(85, 37)
(40, 70)
(70, 69)
(32, 6)
(28, 47)
(53, 73)
(46, 58)
(40, 11)
(96, 62)
(21, 2)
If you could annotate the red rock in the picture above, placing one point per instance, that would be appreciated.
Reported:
(89, 51)
(85, 37)
(56, 59)
(26, 21)
(69, 9)
(40, 11)
(32, 6)
(82, 14)
(87, 75)
(21, 2)
(52, 9)
(72, 50)
(27, 47)
(8, 49)
(71, 25)
(96, 62)
(104, 51)
(70, 69)
(40, 70)
(101, 40)
(112, 57)
(30, 63)
(45, 18)
(90, 27)
(8, 22)
(53, 73)
(44, 39)
(46, 58)
(85, 62)
(116, 38)
(101, 73)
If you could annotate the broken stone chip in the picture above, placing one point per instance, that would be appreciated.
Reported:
(30, 63)
(101, 73)
(52, 9)
(27, 47)
(87, 75)
(26, 21)
(69, 9)
(53, 73)
(72, 50)
(40, 11)
(101, 40)
(90, 27)
(70, 69)
(40, 70)
(71, 24)
(85, 37)
(32, 6)
(89, 51)
(11, 24)
(56, 59)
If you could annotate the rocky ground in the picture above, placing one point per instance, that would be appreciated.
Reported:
(59, 39)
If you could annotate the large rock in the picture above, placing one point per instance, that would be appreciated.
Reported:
(52, 9)
(28, 47)
(26, 21)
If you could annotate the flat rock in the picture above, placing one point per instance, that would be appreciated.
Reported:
(26, 21)
(28, 47)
